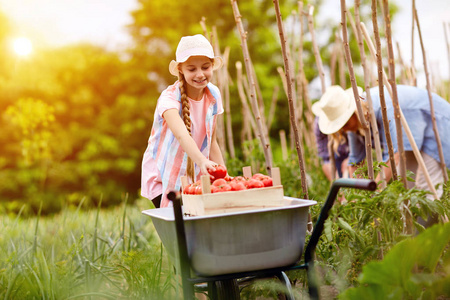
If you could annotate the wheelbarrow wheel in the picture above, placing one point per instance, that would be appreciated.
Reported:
(224, 290)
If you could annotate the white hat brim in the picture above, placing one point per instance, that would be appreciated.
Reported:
(173, 65)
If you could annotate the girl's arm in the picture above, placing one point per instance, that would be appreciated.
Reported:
(215, 153)
(176, 125)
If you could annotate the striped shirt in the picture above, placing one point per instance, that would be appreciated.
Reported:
(164, 160)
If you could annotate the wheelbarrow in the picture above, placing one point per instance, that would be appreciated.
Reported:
(218, 253)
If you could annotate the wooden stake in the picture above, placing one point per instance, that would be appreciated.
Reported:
(248, 117)
(381, 90)
(362, 119)
(430, 98)
(292, 114)
(392, 82)
(447, 43)
(316, 48)
(254, 103)
(413, 67)
(402, 117)
(273, 105)
(372, 118)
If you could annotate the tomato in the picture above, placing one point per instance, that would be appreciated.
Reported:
(197, 190)
(187, 189)
(237, 186)
(266, 180)
(214, 189)
(254, 184)
(219, 182)
(239, 179)
(223, 188)
(219, 172)
(258, 176)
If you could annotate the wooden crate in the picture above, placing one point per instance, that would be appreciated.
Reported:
(232, 201)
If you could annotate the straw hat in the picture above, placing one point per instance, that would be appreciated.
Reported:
(335, 108)
(195, 45)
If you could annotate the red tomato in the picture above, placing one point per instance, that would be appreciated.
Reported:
(267, 181)
(239, 179)
(197, 190)
(187, 189)
(219, 182)
(219, 172)
(214, 189)
(254, 184)
(223, 188)
(258, 176)
(237, 186)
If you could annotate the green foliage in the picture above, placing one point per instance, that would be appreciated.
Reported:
(79, 254)
(367, 225)
(416, 268)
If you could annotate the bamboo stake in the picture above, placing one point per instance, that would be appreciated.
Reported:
(392, 82)
(408, 218)
(316, 48)
(381, 91)
(254, 103)
(248, 117)
(292, 114)
(372, 118)
(430, 98)
(225, 91)
(341, 63)
(283, 143)
(403, 72)
(447, 43)
(404, 123)
(273, 105)
(302, 89)
(333, 61)
(362, 119)
(413, 67)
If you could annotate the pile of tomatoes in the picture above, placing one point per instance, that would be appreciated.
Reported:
(221, 182)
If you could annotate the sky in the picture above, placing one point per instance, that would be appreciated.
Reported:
(102, 22)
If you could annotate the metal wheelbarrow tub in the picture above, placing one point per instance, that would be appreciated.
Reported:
(226, 286)
(238, 241)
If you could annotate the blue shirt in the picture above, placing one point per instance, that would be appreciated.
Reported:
(415, 106)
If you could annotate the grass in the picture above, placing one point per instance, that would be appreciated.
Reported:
(95, 254)
(115, 253)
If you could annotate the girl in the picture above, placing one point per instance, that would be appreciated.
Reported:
(338, 115)
(184, 123)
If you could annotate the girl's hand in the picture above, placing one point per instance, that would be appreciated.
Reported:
(207, 165)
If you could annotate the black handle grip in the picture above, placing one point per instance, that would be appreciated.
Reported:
(362, 184)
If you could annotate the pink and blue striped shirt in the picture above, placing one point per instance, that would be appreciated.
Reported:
(164, 160)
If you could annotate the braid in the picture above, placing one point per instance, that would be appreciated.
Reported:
(185, 106)
(186, 116)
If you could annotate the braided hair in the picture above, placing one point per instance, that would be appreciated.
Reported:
(186, 116)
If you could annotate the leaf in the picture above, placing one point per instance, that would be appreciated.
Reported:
(344, 225)
(431, 244)
(328, 230)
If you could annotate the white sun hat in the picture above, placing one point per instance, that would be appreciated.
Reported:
(335, 108)
(195, 45)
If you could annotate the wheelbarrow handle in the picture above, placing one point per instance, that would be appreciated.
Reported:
(188, 289)
(362, 184)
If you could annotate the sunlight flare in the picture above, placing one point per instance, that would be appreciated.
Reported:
(22, 46)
